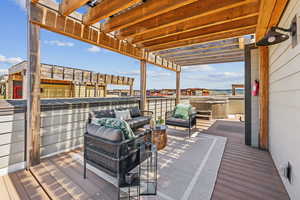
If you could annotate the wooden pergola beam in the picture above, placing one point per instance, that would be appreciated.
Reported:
(269, 15)
(202, 32)
(182, 51)
(204, 62)
(212, 55)
(229, 15)
(66, 7)
(229, 57)
(149, 9)
(205, 38)
(70, 26)
(205, 54)
(105, 9)
(180, 18)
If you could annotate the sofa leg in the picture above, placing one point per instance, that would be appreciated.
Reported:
(84, 169)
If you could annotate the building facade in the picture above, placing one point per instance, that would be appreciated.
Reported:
(63, 82)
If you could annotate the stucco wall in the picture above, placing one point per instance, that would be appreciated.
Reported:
(285, 104)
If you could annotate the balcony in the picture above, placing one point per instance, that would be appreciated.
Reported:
(220, 165)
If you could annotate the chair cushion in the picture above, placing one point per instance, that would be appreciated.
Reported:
(182, 111)
(103, 114)
(135, 112)
(111, 134)
(177, 122)
(119, 124)
(123, 114)
(139, 122)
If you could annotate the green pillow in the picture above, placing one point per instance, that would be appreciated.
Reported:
(182, 111)
(117, 124)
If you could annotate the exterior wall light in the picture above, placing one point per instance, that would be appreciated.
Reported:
(275, 37)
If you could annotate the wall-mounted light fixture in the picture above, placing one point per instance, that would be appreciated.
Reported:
(275, 37)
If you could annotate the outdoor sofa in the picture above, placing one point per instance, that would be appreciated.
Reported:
(106, 148)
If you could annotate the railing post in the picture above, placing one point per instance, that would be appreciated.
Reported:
(178, 95)
(143, 84)
(33, 97)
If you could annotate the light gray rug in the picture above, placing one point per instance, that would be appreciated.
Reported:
(188, 167)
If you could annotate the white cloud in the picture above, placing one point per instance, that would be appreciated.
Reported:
(94, 49)
(21, 3)
(198, 68)
(11, 60)
(59, 43)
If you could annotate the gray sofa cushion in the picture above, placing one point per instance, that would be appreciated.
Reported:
(138, 122)
(177, 122)
(103, 114)
(111, 134)
(135, 112)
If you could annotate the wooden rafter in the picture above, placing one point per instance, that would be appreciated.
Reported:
(203, 31)
(181, 17)
(193, 50)
(212, 61)
(51, 20)
(105, 9)
(149, 9)
(211, 55)
(205, 21)
(66, 7)
(233, 56)
(199, 53)
(205, 38)
(269, 15)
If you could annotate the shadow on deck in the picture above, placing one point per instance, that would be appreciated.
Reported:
(244, 173)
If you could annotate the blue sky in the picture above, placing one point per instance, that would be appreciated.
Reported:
(60, 50)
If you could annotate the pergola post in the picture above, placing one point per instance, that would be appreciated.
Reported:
(143, 84)
(131, 90)
(264, 97)
(178, 92)
(33, 94)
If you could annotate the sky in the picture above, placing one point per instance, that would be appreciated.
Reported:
(60, 50)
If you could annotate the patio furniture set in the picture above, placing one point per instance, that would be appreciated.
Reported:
(119, 142)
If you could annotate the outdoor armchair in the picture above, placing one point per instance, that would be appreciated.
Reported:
(173, 121)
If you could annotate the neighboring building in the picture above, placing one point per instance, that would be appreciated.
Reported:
(172, 92)
(63, 82)
(119, 92)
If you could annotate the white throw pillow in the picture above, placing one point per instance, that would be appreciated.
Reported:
(123, 114)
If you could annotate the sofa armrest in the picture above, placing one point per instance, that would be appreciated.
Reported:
(192, 118)
(147, 112)
(169, 114)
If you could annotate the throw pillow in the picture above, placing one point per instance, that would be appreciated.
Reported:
(135, 112)
(182, 111)
(117, 124)
(123, 114)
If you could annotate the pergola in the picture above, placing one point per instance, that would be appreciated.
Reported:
(166, 33)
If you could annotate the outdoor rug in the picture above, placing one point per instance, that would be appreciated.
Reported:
(187, 167)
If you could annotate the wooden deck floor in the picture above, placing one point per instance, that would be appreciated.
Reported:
(245, 173)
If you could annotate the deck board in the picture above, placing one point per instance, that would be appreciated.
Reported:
(245, 173)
